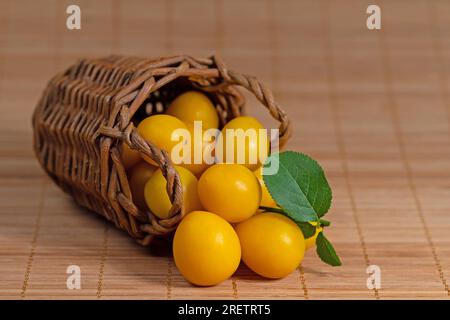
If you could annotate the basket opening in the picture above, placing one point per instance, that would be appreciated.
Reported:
(159, 101)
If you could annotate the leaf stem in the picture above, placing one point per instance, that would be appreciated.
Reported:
(270, 209)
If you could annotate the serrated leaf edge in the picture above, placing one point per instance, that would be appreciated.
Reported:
(322, 172)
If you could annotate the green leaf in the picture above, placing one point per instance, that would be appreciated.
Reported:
(326, 252)
(308, 230)
(299, 187)
(325, 223)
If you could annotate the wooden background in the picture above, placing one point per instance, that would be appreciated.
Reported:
(372, 106)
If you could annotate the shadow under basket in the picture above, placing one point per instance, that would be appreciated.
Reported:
(86, 113)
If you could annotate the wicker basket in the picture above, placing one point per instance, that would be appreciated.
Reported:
(85, 114)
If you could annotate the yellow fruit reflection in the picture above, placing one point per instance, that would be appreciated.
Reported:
(201, 145)
(206, 248)
(162, 131)
(194, 106)
(266, 198)
(156, 197)
(139, 175)
(244, 144)
(230, 190)
(272, 245)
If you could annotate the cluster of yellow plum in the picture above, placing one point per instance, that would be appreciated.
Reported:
(223, 223)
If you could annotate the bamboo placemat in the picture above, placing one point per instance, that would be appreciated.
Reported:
(372, 106)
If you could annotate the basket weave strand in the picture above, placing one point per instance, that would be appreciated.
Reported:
(86, 112)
